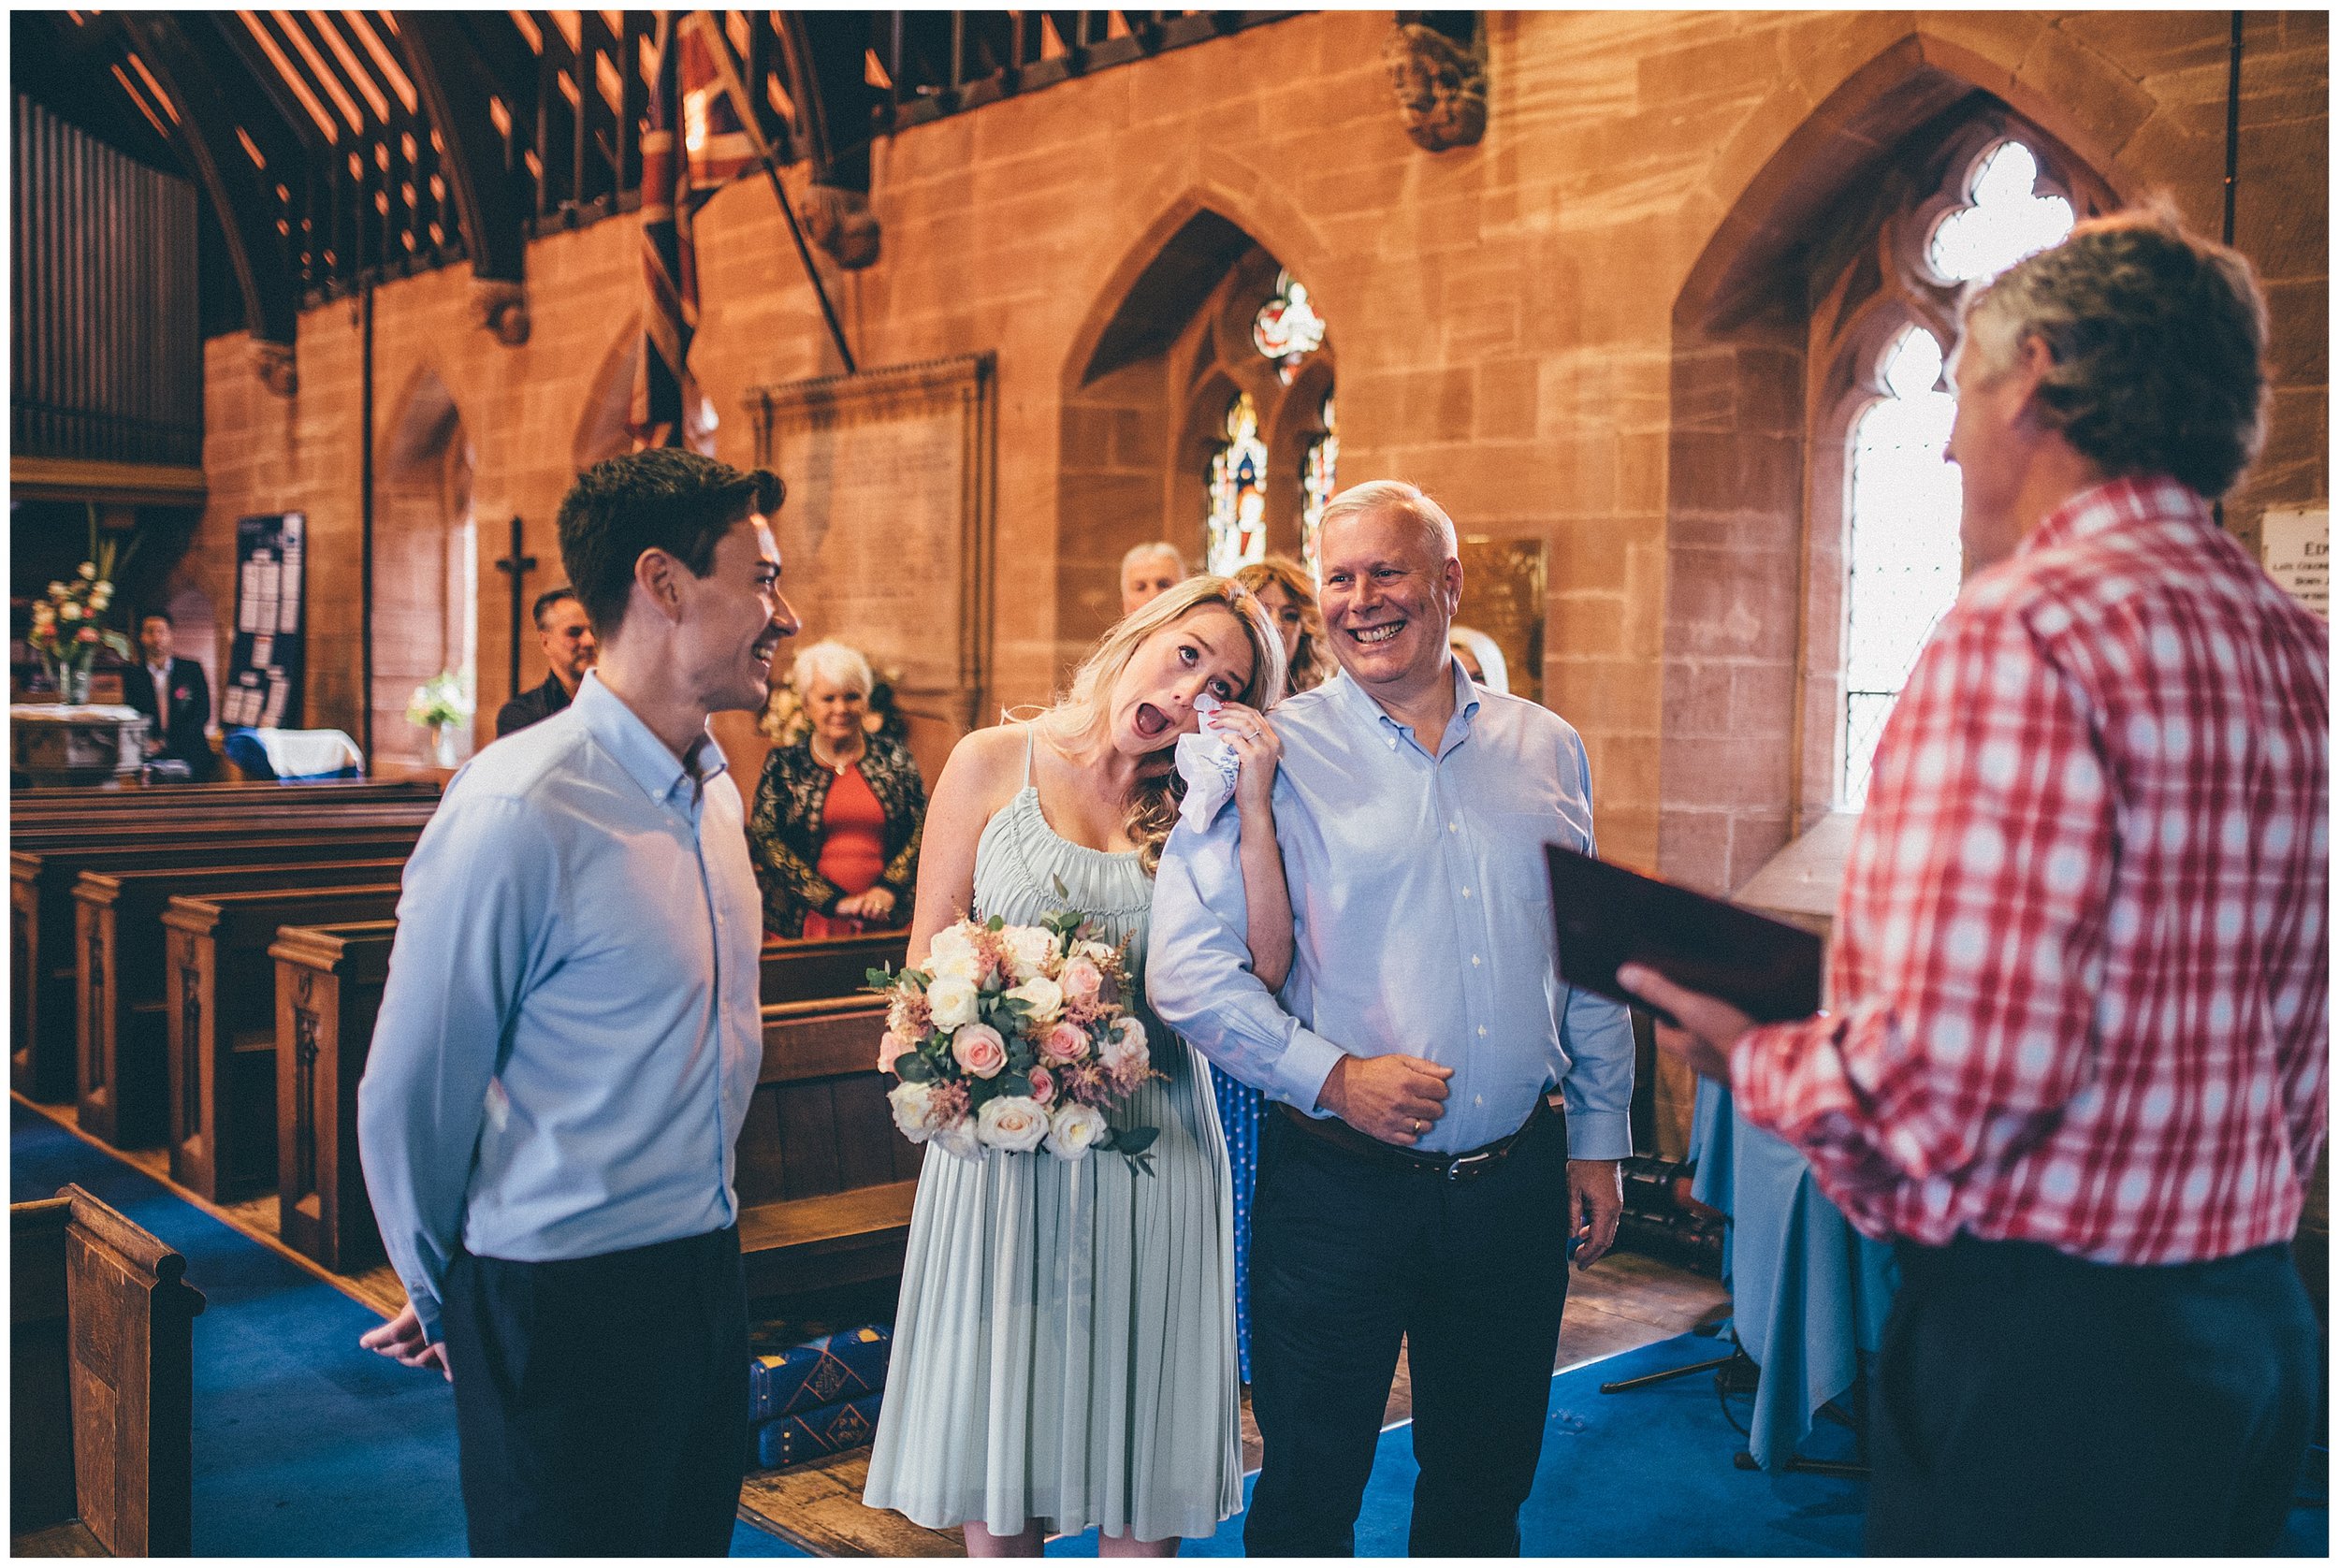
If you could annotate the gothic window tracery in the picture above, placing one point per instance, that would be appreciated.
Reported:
(1318, 481)
(1237, 492)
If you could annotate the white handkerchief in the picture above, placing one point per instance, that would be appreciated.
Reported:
(1209, 766)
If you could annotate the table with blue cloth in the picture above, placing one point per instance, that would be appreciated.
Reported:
(1810, 1293)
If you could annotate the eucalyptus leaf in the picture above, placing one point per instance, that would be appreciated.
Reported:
(913, 1069)
(1134, 1141)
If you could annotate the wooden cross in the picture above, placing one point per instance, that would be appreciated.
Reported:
(520, 566)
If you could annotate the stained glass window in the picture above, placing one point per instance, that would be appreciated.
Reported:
(1318, 470)
(1906, 562)
(2008, 221)
(1237, 492)
(1286, 328)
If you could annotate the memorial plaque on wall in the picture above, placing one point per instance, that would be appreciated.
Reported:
(1502, 582)
(2296, 547)
(886, 534)
(264, 664)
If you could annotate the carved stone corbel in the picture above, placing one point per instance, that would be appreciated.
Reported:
(502, 307)
(840, 222)
(275, 365)
(1441, 86)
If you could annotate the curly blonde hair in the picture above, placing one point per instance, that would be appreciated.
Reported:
(1310, 660)
(1079, 716)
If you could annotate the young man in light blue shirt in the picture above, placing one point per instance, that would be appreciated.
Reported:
(1414, 1187)
(568, 1042)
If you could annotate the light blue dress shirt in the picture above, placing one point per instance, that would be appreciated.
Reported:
(569, 1037)
(1421, 909)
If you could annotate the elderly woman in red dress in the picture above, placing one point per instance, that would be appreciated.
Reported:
(838, 814)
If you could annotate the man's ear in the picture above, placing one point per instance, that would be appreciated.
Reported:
(2034, 362)
(1453, 585)
(657, 574)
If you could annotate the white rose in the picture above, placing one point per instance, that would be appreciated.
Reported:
(1075, 1130)
(1045, 996)
(1095, 953)
(953, 954)
(952, 999)
(913, 1110)
(1028, 948)
(1015, 1123)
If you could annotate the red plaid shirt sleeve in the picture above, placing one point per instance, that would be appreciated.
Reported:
(2079, 958)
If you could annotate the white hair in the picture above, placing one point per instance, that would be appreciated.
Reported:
(832, 660)
(1148, 551)
(1406, 501)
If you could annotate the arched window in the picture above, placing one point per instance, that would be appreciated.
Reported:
(1903, 561)
(1237, 492)
(1318, 480)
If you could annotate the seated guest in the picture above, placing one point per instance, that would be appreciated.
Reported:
(567, 634)
(2080, 1048)
(1480, 658)
(1147, 569)
(839, 814)
(1283, 587)
(174, 695)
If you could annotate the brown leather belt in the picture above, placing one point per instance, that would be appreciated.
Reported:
(1453, 1168)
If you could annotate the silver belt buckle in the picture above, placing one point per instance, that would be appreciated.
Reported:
(1454, 1171)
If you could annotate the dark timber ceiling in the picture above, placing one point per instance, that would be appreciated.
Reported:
(335, 149)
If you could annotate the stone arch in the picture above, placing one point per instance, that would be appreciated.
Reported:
(426, 572)
(1747, 574)
(1145, 359)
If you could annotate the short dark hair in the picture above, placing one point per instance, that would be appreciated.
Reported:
(663, 498)
(2159, 337)
(163, 615)
(546, 599)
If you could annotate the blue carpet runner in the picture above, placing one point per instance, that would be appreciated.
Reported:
(304, 1444)
(1646, 1473)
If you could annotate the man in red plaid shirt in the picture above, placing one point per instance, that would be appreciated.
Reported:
(2077, 1060)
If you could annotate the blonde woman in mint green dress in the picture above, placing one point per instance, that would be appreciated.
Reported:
(1064, 1354)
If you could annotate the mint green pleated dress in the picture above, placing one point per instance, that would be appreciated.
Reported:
(1064, 1348)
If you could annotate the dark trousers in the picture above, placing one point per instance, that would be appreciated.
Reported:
(1347, 1259)
(602, 1403)
(2032, 1404)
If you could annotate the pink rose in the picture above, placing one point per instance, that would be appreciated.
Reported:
(890, 1048)
(1042, 1085)
(1081, 980)
(1065, 1043)
(979, 1050)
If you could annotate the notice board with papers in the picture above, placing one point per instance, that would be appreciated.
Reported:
(263, 689)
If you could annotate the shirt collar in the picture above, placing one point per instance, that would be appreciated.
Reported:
(2135, 498)
(641, 753)
(1361, 706)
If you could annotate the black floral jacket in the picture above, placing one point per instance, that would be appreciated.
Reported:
(784, 830)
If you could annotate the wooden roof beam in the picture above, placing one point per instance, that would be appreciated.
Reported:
(206, 141)
(454, 92)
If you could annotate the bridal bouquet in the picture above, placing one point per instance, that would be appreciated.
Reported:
(1011, 1037)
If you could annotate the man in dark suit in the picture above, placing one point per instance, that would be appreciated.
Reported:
(568, 639)
(174, 695)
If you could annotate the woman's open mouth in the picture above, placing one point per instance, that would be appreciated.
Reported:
(1150, 721)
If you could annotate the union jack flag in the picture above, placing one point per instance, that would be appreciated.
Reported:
(698, 99)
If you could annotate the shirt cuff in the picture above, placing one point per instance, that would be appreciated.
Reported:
(425, 1313)
(1307, 1060)
(1599, 1135)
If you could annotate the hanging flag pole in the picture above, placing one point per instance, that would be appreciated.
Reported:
(719, 49)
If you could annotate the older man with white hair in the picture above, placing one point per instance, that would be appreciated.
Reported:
(1416, 1187)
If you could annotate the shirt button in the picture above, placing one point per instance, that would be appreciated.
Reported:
(1473, 960)
(1482, 1031)
(1465, 892)
(1453, 827)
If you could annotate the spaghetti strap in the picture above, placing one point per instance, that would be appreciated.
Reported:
(1028, 739)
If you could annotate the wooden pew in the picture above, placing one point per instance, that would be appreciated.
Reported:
(41, 925)
(827, 965)
(101, 1408)
(824, 1182)
(329, 988)
(124, 1089)
(218, 1012)
(30, 805)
